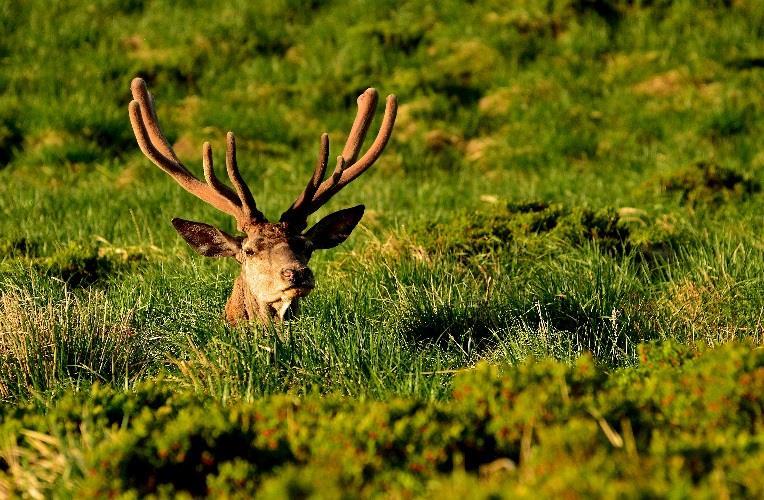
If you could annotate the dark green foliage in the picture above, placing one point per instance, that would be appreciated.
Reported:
(21, 247)
(77, 265)
(405, 37)
(662, 428)
(525, 226)
(710, 183)
(746, 63)
(11, 136)
(729, 122)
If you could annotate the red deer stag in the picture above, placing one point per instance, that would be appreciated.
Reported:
(273, 255)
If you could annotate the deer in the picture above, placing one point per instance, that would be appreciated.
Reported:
(273, 256)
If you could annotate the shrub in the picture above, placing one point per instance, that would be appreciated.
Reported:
(683, 422)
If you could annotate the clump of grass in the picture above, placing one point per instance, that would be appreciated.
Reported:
(710, 183)
(462, 69)
(50, 344)
(729, 121)
(76, 264)
(19, 247)
(536, 224)
(11, 136)
(405, 37)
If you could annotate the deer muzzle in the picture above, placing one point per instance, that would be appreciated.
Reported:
(299, 280)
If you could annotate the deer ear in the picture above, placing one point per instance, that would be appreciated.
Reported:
(207, 240)
(334, 228)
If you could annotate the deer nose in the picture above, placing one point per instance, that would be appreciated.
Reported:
(297, 276)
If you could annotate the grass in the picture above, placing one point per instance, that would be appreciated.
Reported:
(564, 177)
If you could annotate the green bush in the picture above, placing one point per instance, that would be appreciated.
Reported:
(682, 422)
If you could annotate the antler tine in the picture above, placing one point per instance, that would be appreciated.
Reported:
(175, 169)
(154, 145)
(209, 172)
(367, 104)
(248, 206)
(327, 189)
(319, 172)
(141, 94)
(337, 174)
(347, 169)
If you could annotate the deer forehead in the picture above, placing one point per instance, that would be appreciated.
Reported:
(273, 237)
(265, 235)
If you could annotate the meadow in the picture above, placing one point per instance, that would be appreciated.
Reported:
(560, 269)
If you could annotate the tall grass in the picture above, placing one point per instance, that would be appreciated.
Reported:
(51, 344)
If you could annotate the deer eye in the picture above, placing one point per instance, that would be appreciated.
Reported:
(249, 252)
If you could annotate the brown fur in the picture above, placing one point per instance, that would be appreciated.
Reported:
(236, 307)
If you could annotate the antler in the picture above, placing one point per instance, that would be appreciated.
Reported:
(348, 167)
(239, 203)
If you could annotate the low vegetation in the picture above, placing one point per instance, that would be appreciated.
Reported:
(710, 184)
(570, 185)
(682, 422)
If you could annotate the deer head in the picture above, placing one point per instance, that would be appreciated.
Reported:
(273, 255)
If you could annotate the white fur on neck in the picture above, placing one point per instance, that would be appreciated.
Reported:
(283, 308)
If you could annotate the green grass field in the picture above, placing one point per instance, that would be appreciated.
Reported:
(565, 179)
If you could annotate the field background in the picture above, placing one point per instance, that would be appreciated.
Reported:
(564, 177)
